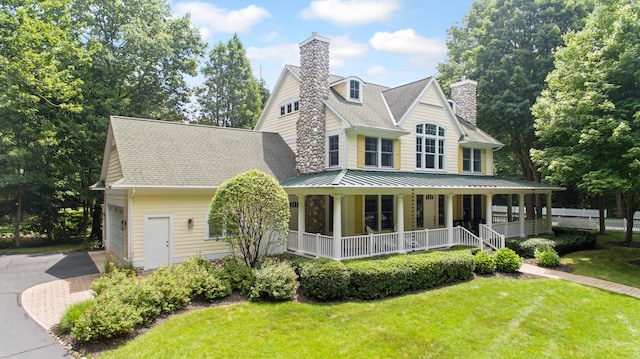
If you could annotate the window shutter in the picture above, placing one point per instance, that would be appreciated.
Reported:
(396, 154)
(360, 163)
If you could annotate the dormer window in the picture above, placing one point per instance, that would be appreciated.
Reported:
(354, 90)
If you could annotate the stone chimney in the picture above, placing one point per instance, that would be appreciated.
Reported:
(463, 93)
(314, 89)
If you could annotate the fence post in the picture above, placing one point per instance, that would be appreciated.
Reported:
(317, 245)
(371, 244)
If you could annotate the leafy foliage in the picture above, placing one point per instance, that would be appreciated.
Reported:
(253, 210)
(547, 257)
(238, 273)
(507, 260)
(324, 279)
(275, 281)
(485, 264)
(528, 247)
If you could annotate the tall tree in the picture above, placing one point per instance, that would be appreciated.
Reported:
(231, 95)
(40, 49)
(507, 46)
(588, 119)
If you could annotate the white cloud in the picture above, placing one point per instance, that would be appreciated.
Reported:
(342, 48)
(283, 54)
(212, 19)
(376, 70)
(350, 12)
(423, 51)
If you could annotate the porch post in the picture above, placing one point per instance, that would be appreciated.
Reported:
(521, 214)
(301, 224)
(449, 217)
(400, 221)
(489, 209)
(549, 214)
(337, 226)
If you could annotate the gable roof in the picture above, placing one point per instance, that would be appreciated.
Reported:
(161, 154)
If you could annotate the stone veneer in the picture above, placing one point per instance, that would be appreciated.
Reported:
(463, 93)
(314, 89)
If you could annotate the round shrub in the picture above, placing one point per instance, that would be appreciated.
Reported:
(529, 246)
(105, 318)
(485, 264)
(507, 260)
(174, 295)
(238, 274)
(547, 257)
(202, 278)
(324, 279)
(275, 281)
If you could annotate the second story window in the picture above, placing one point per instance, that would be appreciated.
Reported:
(334, 151)
(472, 160)
(289, 107)
(354, 90)
(378, 152)
(430, 142)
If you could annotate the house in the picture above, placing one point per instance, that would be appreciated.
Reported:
(159, 177)
(369, 170)
(388, 169)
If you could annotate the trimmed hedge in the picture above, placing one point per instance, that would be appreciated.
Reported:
(485, 264)
(507, 260)
(565, 241)
(395, 275)
(324, 279)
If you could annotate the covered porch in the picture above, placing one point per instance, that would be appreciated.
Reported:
(355, 214)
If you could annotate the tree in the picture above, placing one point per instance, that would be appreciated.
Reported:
(588, 119)
(230, 96)
(40, 49)
(507, 46)
(252, 211)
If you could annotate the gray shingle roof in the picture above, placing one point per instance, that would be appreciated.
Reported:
(415, 180)
(169, 154)
(402, 97)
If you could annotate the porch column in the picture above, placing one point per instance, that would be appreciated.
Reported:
(301, 224)
(521, 214)
(400, 221)
(449, 217)
(337, 226)
(489, 209)
(549, 214)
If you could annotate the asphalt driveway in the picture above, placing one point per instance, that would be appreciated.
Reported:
(20, 336)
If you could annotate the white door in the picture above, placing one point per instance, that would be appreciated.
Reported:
(116, 226)
(157, 240)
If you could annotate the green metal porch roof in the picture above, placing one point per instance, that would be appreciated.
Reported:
(407, 180)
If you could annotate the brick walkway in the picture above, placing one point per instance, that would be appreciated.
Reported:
(592, 282)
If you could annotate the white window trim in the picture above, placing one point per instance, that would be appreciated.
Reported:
(379, 152)
(437, 138)
(285, 105)
(360, 87)
(472, 168)
(340, 149)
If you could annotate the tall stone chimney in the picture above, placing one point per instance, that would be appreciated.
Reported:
(314, 89)
(463, 93)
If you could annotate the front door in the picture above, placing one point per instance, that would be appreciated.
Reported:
(157, 240)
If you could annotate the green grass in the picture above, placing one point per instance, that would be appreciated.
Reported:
(610, 262)
(483, 318)
(58, 248)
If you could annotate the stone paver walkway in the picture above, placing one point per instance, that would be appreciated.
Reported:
(592, 282)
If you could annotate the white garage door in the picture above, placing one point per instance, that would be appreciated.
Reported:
(116, 226)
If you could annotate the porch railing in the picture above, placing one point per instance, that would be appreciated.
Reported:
(369, 245)
(491, 238)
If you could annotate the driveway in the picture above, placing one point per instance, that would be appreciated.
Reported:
(20, 336)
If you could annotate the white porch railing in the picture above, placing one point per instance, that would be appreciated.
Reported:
(532, 227)
(369, 245)
(491, 238)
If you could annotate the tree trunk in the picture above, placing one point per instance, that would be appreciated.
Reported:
(631, 206)
(16, 233)
(619, 205)
(96, 223)
(601, 214)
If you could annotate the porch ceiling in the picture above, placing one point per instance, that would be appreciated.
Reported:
(359, 179)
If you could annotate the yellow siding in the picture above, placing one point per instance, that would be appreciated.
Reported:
(342, 89)
(114, 171)
(408, 213)
(360, 153)
(396, 154)
(432, 110)
(284, 125)
(187, 242)
(351, 144)
(460, 158)
(333, 122)
(358, 226)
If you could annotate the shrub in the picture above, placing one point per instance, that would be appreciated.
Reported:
(174, 295)
(238, 274)
(105, 318)
(529, 246)
(324, 279)
(547, 257)
(485, 264)
(71, 315)
(275, 281)
(507, 260)
(394, 275)
(202, 279)
(573, 240)
(112, 277)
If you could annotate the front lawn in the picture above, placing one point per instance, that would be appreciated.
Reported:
(610, 262)
(482, 318)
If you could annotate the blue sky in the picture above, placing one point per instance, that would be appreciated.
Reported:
(386, 42)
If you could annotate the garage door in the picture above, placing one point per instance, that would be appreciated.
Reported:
(116, 226)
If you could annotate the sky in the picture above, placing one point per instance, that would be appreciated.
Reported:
(385, 42)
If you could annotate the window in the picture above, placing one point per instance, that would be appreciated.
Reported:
(334, 151)
(354, 90)
(378, 212)
(290, 107)
(378, 152)
(430, 142)
(471, 160)
(211, 232)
